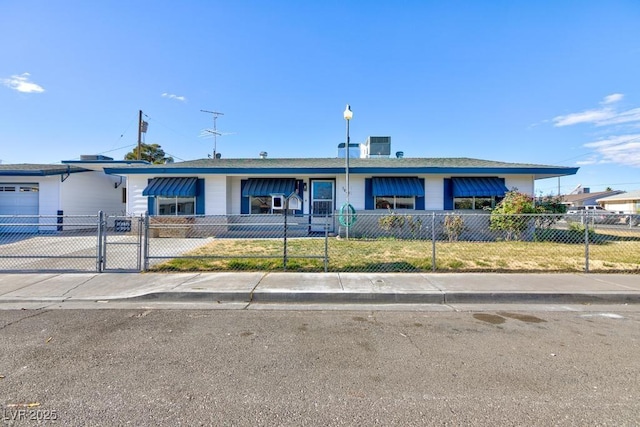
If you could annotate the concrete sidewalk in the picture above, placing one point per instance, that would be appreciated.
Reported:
(347, 288)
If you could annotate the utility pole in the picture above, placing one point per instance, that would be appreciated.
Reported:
(139, 134)
(215, 130)
(142, 128)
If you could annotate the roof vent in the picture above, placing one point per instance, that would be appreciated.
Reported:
(263, 154)
(399, 154)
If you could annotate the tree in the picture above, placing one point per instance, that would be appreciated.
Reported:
(152, 153)
(510, 214)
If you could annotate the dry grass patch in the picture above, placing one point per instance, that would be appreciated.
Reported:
(391, 255)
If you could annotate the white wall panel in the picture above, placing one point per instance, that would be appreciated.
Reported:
(434, 193)
(524, 183)
(136, 202)
(215, 195)
(87, 193)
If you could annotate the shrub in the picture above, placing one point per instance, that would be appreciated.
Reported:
(391, 222)
(453, 227)
(510, 215)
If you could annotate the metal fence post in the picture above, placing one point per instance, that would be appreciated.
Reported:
(326, 244)
(586, 245)
(145, 238)
(433, 241)
(100, 241)
(140, 228)
(284, 259)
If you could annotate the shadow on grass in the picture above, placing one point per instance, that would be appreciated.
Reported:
(577, 237)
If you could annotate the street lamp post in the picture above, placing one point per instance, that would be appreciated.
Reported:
(348, 114)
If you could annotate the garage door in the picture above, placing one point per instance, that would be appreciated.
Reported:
(18, 199)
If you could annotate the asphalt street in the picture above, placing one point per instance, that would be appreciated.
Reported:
(263, 367)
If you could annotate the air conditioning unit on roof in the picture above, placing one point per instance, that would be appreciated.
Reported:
(379, 146)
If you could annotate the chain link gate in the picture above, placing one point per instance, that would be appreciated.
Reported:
(120, 243)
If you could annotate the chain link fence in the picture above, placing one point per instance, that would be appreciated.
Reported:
(485, 242)
(237, 243)
(49, 243)
(377, 242)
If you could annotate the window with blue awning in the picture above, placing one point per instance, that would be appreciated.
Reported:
(400, 192)
(175, 196)
(171, 187)
(478, 187)
(268, 186)
(397, 186)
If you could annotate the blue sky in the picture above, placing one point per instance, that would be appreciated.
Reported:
(547, 82)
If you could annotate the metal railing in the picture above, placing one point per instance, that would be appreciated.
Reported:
(403, 241)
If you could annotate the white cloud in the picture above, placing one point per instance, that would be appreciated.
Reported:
(22, 84)
(610, 99)
(621, 146)
(629, 116)
(620, 149)
(176, 97)
(590, 116)
(604, 116)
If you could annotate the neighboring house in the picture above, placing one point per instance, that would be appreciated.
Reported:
(248, 186)
(628, 203)
(50, 190)
(586, 198)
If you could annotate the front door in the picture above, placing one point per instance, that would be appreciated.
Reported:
(322, 204)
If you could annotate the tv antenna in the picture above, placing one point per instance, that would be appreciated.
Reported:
(214, 131)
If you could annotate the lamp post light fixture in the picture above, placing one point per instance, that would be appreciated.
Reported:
(348, 114)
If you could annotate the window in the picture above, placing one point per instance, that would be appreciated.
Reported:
(262, 205)
(256, 194)
(476, 203)
(175, 205)
(395, 202)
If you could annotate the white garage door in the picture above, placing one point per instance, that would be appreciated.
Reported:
(18, 199)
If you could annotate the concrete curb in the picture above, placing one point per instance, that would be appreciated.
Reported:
(541, 298)
(365, 298)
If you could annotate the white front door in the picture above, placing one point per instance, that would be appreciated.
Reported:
(322, 204)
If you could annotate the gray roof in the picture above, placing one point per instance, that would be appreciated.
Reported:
(630, 195)
(335, 162)
(30, 169)
(573, 198)
(461, 165)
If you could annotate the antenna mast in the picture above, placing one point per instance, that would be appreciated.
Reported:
(215, 130)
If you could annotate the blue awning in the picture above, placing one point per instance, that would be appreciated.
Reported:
(171, 187)
(269, 186)
(397, 186)
(478, 187)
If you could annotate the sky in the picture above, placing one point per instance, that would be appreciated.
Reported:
(543, 82)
